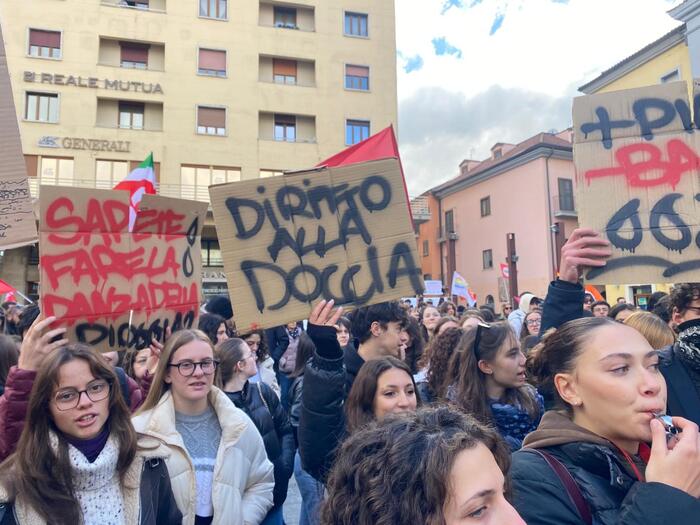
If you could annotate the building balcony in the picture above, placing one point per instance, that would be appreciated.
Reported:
(443, 236)
(286, 16)
(564, 207)
(180, 191)
(153, 6)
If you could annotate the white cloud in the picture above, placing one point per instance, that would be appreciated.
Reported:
(541, 53)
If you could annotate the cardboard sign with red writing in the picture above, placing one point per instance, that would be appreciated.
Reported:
(637, 156)
(340, 233)
(111, 288)
(17, 222)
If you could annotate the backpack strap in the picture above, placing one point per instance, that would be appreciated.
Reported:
(124, 384)
(572, 488)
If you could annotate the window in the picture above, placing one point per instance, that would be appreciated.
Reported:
(195, 180)
(285, 17)
(56, 171)
(131, 115)
(486, 206)
(566, 194)
(264, 174)
(450, 221)
(487, 259)
(213, 9)
(211, 121)
(357, 77)
(426, 247)
(41, 107)
(356, 24)
(134, 55)
(673, 76)
(211, 253)
(44, 44)
(286, 128)
(356, 131)
(109, 172)
(497, 154)
(212, 62)
(284, 71)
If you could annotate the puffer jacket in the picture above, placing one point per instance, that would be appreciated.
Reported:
(328, 378)
(243, 477)
(261, 405)
(607, 481)
(14, 403)
(148, 497)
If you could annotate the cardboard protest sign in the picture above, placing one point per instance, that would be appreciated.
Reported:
(637, 163)
(17, 223)
(335, 233)
(111, 288)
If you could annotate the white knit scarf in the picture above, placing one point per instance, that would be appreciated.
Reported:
(97, 486)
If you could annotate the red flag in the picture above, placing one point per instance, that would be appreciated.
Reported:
(381, 145)
(141, 181)
(6, 288)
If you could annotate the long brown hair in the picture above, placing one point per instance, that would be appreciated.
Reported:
(8, 356)
(409, 453)
(359, 407)
(470, 382)
(175, 342)
(41, 474)
(442, 348)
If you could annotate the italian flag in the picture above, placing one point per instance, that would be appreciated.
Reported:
(140, 181)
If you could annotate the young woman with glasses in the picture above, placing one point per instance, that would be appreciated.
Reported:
(218, 467)
(79, 459)
(263, 407)
(486, 378)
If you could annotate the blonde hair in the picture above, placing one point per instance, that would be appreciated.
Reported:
(175, 342)
(653, 328)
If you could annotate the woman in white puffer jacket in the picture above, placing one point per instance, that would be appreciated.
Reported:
(218, 467)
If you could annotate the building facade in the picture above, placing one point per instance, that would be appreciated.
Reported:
(218, 90)
(526, 189)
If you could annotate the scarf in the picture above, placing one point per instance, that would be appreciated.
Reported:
(513, 422)
(688, 347)
(96, 484)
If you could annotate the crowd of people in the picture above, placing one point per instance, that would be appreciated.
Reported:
(551, 412)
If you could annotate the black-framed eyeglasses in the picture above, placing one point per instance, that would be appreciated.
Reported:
(70, 397)
(477, 337)
(187, 368)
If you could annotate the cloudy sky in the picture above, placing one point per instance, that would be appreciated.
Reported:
(475, 72)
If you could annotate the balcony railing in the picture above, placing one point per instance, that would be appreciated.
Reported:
(180, 191)
(153, 6)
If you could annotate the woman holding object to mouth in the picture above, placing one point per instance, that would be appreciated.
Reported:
(79, 459)
(486, 378)
(218, 466)
(588, 461)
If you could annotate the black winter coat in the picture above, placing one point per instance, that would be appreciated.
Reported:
(328, 378)
(613, 495)
(158, 506)
(263, 407)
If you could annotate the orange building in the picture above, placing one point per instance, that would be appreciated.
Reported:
(526, 189)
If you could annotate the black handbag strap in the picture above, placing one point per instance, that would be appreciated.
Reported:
(572, 488)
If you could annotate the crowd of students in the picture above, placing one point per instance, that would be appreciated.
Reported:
(549, 413)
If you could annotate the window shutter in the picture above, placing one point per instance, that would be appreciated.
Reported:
(357, 71)
(211, 117)
(212, 59)
(284, 67)
(40, 38)
(134, 52)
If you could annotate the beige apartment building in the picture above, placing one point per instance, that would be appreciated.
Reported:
(218, 90)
